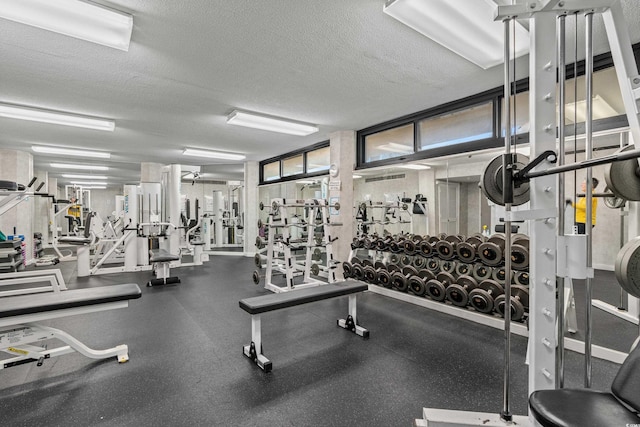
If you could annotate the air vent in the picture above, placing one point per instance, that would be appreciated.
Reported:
(205, 181)
(384, 178)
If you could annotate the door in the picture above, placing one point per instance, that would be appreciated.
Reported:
(449, 207)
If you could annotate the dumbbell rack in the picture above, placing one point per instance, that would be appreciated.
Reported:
(279, 219)
(384, 207)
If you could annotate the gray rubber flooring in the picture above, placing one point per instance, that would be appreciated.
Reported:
(186, 365)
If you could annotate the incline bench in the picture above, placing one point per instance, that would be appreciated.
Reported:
(161, 259)
(265, 303)
(19, 312)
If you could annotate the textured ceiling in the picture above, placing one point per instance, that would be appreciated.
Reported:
(338, 64)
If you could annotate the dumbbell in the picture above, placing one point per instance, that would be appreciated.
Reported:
(481, 272)
(256, 276)
(419, 262)
(433, 264)
(521, 278)
(499, 274)
(519, 302)
(446, 248)
(436, 288)
(371, 272)
(491, 252)
(400, 279)
(448, 266)
(405, 260)
(418, 284)
(384, 275)
(395, 246)
(483, 297)
(260, 243)
(382, 244)
(426, 248)
(463, 269)
(358, 269)
(258, 260)
(458, 293)
(467, 250)
(520, 253)
(367, 243)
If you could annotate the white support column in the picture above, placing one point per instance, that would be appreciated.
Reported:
(542, 110)
(173, 209)
(151, 172)
(343, 155)
(41, 208)
(251, 179)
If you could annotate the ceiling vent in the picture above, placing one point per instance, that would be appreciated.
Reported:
(384, 178)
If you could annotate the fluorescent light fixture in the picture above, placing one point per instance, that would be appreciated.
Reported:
(84, 176)
(80, 19)
(270, 123)
(94, 187)
(55, 117)
(213, 154)
(46, 149)
(466, 27)
(415, 167)
(601, 110)
(79, 167)
(85, 183)
(357, 176)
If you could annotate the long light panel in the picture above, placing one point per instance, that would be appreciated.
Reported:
(85, 183)
(213, 154)
(71, 176)
(45, 149)
(465, 27)
(56, 117)
(80, 19)
(270, 123)
(79, 167)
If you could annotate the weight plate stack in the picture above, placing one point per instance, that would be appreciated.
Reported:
(491, 181)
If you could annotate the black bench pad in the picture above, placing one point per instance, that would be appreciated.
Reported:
(39, 303)
(160, 255)
(8, 185)
(75, 240)
(579, 407)
(265, 303)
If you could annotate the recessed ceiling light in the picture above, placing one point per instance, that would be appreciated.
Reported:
(213, 154)
(305, 181)
(79, 167)
(46, 149)
(84, 176)
(55, 117)
(80, 19)
(357, 176)
(270, 123)
(415, 167)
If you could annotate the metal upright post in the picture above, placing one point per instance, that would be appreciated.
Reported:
(589, 190)
(507, 193)
(561, 195)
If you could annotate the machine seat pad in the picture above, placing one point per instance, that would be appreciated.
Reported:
(8, 185)
(197, 242)
(161, 255)
(39, 303)
(75, 240)
(579, 407)
(271, 302)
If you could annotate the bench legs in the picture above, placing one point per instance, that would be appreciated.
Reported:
(17, 340)
(254, 350)
(351, 322)
(162, 272)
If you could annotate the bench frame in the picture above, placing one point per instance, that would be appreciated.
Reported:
(162, 270)
(254, 350)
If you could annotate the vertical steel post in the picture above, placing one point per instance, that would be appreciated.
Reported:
(562, 76)
(589, 190)
(507, 191)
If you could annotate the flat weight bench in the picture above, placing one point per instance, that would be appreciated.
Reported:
(256, 306)
(585, 407)
(18, 314)
(161, 259)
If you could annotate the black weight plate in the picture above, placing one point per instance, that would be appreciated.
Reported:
(463, 269)
(358, 272)
(491, 181)
(466, 251)
(436, 290)
(370, 275)
(621, 177)
(519, 257)
(367, 262)
(490, 253)
(481, 300)
(417, 286)
(445, 278)
(384, 278)
(492, 287)
(419, 262)
(481, 272)
(399, 281)
(257, 260)
(445, 249)
(356, 260)
(409, 270)
(433, 264)
(379, 265)
(347, 269)
(256, 277)
(457, 295)
(426, 274)
(467, 282)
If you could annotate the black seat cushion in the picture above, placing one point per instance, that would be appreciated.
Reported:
(160, 255)
(8, 185)
(579, 408)
(75, 240)
(626, 385)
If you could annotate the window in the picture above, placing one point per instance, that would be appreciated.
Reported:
(318, 160)
(521, 102)
(471, 124)
(271, 171)
(293, 165)
(390, 143)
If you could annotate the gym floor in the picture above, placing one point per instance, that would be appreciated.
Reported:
(186, 365)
